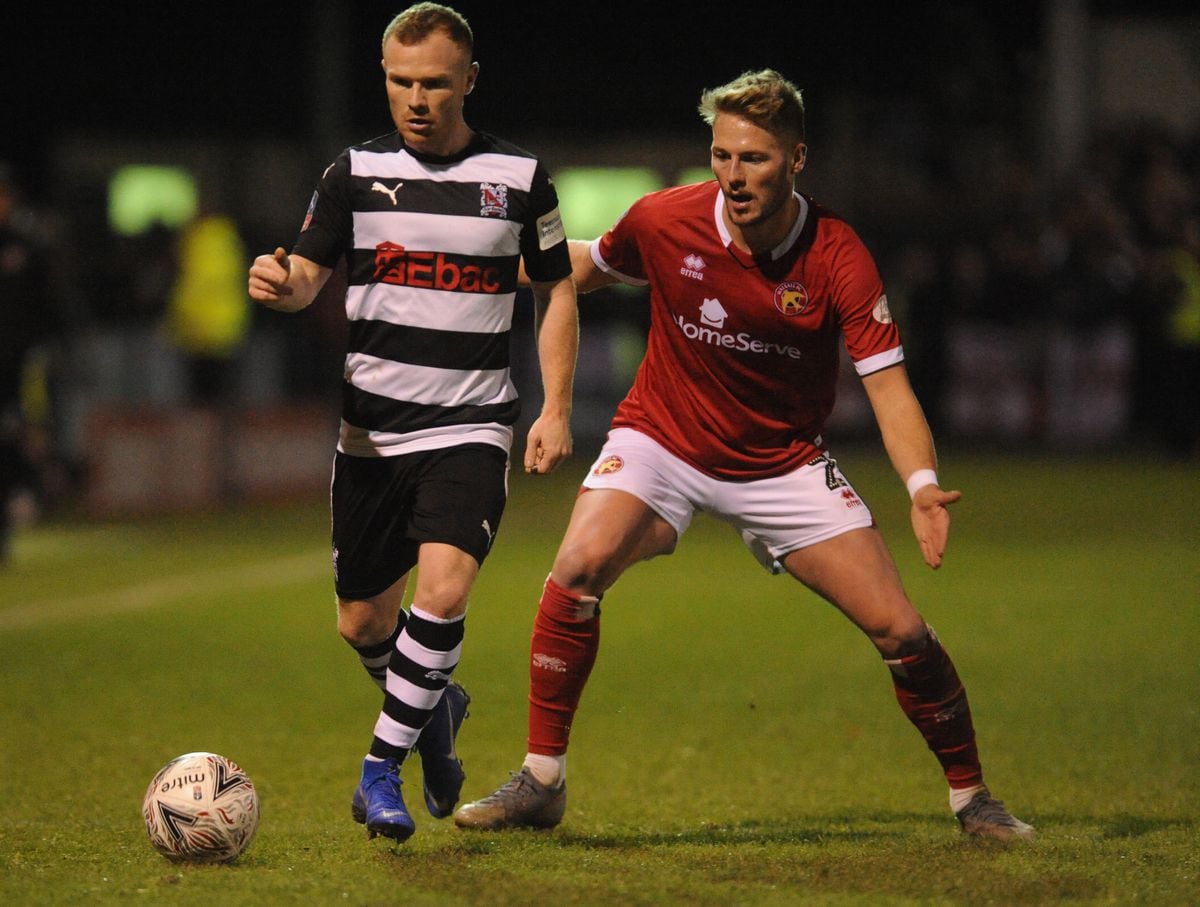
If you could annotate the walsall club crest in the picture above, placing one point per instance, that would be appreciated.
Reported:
(608, 466)
(493, 200)
(791, 298)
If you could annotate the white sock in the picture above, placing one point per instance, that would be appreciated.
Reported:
(960, 797)
(548, 770)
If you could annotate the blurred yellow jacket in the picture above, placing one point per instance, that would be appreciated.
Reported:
(1184, 319)
(209, 311)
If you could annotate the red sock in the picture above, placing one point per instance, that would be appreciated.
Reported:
(566, 637)
(933, 698)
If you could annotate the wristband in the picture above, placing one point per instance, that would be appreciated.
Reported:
(919, 480)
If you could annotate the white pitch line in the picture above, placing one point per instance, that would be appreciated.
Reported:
(158, 592)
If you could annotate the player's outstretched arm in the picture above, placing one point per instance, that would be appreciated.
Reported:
(909, 444)
(286, 283)
(586, 275)
(556, 321)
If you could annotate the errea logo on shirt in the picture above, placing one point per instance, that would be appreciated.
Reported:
(693, 266)
(711, 331)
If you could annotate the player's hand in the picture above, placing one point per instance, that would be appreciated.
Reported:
(269, 277)
(931, 521)
(548, 444)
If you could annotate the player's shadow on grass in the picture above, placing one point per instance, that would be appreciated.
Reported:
(876, 827)
(1122, 825)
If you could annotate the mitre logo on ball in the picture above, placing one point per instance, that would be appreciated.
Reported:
(202, 808)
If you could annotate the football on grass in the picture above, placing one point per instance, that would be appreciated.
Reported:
(201, 808)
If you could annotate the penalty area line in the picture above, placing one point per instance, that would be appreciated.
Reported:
(155, 593)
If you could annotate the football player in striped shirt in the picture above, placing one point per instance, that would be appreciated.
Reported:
(433, 221)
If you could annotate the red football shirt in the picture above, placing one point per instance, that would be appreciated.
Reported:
(742, 357)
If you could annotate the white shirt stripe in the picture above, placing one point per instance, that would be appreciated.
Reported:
(484, 168)
(440, 232)
(358, 442)
(429, 386)
(478, 313)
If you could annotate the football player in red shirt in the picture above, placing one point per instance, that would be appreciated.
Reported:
(752, 288)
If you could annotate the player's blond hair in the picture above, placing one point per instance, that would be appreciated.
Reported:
(418, 22)
(765, 98)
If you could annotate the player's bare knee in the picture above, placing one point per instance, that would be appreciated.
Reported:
(902, 639)
(583, 569)
(661, 540)
(899, 636)
(444, 600)
(361, 626)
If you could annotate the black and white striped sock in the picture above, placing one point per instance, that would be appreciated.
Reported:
(375, 657)
(423, 660)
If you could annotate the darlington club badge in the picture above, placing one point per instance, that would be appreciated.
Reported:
(493, 200)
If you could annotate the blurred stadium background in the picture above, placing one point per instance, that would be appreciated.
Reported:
(1027, 174)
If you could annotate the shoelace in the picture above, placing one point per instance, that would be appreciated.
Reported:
(392, 774)
(989, 809)
(513, 785)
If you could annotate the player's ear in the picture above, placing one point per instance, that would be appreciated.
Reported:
(472, 75)
(799, 157)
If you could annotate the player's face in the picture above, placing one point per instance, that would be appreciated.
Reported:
(756, 169)
(427, 84)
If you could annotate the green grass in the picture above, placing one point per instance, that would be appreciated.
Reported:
(738, 743)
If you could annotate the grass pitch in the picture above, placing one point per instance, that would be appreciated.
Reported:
(738, 742)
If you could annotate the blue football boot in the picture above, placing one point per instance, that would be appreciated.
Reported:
(378, 802)
(439, 762)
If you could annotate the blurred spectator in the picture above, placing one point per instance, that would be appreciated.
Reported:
(1093, 264)
(1168, 397)
(921, 297)
(208, 311)
(28, 319)
(120, 354)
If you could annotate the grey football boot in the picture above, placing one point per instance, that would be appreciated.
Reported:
(521, 802)
(986, 816)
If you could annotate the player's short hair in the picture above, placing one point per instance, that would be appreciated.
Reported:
(765, 98)
(420, 21)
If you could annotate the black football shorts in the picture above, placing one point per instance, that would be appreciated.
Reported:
(384, 508)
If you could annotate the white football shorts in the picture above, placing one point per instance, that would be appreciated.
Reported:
(773, 516)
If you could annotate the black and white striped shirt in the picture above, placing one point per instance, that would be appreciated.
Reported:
(432, 247)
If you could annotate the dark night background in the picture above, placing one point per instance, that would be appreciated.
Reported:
(1026, 173)
(593, 70)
